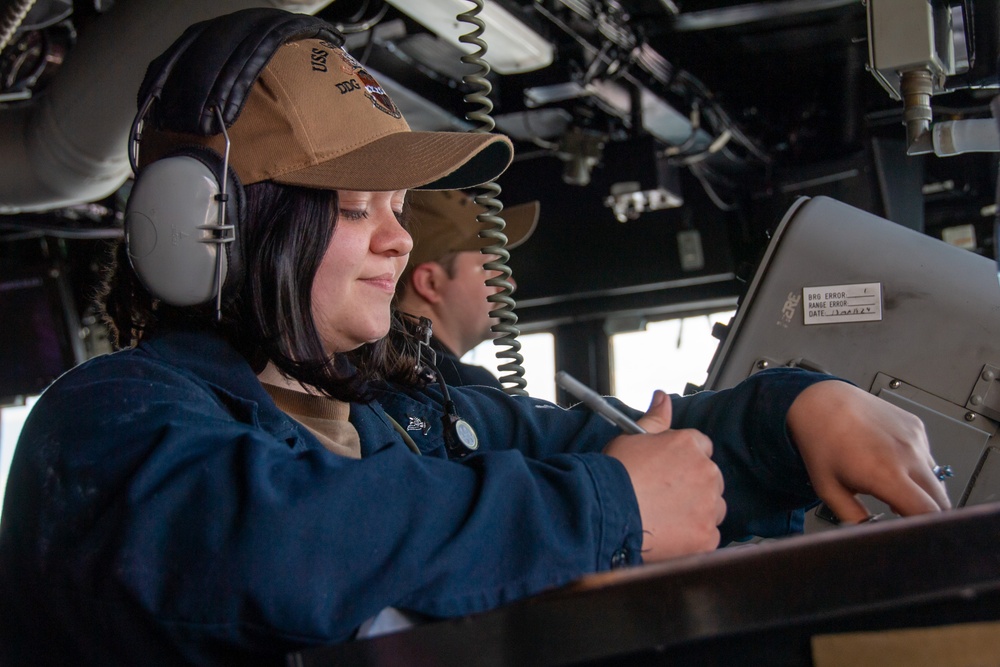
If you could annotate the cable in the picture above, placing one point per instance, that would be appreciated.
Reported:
(717, 145)
(695, 120)
(460, 437)
(356, 25)
(11, 20)
(664, 73)
(492, 224)
(720, 119)
(706, 185)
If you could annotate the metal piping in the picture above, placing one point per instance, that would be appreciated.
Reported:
(69, 145)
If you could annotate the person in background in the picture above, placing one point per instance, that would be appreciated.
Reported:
(445, 278)
(259, 475)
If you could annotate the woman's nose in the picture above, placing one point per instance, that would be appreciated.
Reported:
(391, 237)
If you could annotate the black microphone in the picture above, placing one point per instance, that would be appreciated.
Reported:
(460, 438)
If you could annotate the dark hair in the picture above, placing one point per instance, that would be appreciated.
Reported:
(267, 314)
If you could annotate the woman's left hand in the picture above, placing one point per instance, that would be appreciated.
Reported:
(855, 443)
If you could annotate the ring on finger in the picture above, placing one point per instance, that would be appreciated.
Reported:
(943, 472)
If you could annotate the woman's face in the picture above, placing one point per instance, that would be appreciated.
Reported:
(357, 278)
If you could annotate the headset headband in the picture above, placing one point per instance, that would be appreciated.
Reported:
(220, 62)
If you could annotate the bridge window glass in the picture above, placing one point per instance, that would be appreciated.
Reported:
(538, 350)
(666, 355)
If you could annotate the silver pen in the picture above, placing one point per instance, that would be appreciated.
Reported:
(596, 402)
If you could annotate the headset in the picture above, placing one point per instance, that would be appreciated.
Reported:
(183, 215)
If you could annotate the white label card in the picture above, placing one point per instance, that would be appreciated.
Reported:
(829, 304)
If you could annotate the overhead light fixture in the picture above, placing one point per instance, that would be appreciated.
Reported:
(511, 46)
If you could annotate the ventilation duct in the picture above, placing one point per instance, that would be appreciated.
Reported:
(67, 146)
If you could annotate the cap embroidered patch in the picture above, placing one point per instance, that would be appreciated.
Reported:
(373, 91)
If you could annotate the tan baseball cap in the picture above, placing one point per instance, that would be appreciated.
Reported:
(316, 118)
(443, 222)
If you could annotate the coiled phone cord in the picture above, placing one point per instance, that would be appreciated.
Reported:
(492, 224)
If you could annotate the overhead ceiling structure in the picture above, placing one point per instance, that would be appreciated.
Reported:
(645, 104)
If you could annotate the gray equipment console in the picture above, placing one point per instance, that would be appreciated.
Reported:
(905, 316)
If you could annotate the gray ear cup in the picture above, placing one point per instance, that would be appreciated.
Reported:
(171, 223)
(198, 86)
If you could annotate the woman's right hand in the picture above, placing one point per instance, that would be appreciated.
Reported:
(678, 486)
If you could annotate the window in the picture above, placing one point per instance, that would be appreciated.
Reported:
(538, 350)
(666, 355)
(11, 421)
